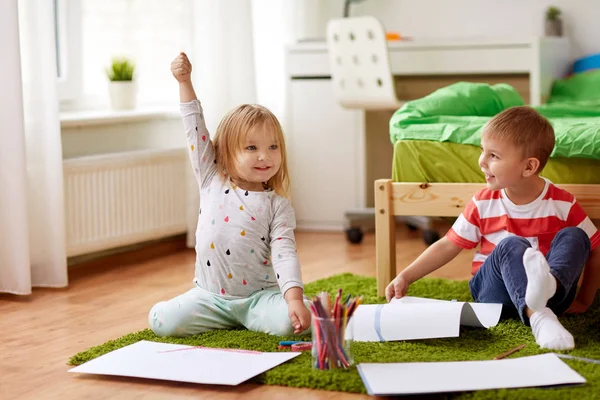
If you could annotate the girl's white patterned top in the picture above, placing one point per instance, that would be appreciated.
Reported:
(244, 240)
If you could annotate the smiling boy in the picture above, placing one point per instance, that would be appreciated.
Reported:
(534, 238)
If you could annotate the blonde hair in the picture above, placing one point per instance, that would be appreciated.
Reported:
(231, 136)
(525, 129)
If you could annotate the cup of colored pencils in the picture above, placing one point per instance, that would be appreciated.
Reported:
(331, 332)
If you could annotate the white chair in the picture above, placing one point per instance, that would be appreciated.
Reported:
(360, 67)
(362, 79)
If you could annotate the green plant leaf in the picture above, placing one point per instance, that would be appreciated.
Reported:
(552, 13)
(121, 69)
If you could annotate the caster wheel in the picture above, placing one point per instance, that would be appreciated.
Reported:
(412, 227)
(354, 235)
(430, 237)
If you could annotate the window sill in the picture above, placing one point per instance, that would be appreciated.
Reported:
(74, 119)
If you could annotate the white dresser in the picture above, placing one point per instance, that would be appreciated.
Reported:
(329, 147)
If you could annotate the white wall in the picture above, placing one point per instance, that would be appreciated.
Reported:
(459, 18)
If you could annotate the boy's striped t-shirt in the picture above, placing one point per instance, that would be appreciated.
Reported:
(491, 216)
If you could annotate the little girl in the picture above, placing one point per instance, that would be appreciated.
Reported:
(247, 270)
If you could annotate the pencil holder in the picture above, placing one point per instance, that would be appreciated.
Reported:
(332, 340)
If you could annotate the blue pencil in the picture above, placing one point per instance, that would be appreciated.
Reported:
(289, 342)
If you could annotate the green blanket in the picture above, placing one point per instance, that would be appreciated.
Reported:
(458, 112)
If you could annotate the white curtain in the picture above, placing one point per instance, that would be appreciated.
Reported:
(238, 56)
(32, 227)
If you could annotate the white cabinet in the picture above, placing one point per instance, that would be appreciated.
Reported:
(325, 150)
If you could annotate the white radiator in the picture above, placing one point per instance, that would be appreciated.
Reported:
(119, 199)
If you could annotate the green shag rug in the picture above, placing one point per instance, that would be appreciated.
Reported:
(473, 344)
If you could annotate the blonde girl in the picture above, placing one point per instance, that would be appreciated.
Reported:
(247, 271)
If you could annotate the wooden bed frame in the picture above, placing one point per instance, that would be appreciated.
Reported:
(436, 200)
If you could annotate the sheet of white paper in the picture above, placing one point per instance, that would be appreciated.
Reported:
(441, 377)
(484, 315)
(479, 315)
(181, 363)
(418, 300)
(411, 318)
(424, 321)
(361, 326)
(375, 323)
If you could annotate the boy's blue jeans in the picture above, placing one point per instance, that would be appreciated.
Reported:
(502, 278)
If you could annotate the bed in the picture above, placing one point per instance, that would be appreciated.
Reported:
(436, 147)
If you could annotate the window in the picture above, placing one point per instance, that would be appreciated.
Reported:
(150, 32)
(68, 48)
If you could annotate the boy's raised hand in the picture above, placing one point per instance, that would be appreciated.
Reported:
(397, 288)
(181, 68)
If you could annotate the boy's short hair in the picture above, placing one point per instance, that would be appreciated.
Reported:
(526, 129)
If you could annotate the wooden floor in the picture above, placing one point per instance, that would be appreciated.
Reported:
(111, 298)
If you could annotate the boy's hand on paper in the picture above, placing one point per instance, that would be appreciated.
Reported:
(299, 315)
(181, 68)
(577, 307)
(397, 288)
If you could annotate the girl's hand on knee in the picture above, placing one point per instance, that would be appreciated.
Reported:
(299, 315)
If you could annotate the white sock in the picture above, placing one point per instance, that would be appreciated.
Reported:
(548, 331)
(541, 284)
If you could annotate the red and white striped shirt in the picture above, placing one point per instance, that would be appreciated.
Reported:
(490, 217)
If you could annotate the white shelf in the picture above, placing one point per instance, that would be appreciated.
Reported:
(429, 43)
(443, 56)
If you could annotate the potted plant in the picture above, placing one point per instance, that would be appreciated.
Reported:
(553, 22)
(122, 87)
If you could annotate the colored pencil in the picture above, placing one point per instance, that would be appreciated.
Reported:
(330, 320)
(509, 352)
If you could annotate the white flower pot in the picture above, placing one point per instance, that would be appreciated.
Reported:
(123, 95)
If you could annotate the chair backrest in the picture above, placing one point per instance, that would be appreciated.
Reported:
(359, 63)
